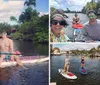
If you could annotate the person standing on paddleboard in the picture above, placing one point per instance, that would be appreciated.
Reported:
(82, 62)
(6, 46)
(66, 64)
(91, 29)
(57, 24)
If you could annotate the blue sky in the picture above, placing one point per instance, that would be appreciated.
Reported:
(74, 5)
(42, 5)
(15, 7)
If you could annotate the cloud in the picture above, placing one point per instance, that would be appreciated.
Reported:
(43, 13)
(71, 4)
(10, 8)
(74, 46)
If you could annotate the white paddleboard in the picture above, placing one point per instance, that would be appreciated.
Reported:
(68, 76)
(7, 64)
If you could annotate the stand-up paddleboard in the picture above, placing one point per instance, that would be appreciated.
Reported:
(68, 76)
(77, 26)
(24, 60)
(82, 70)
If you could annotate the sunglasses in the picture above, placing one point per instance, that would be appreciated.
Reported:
(61, 22)
(92, 15)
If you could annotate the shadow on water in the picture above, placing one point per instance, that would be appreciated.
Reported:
(35, 74)
(92, 65)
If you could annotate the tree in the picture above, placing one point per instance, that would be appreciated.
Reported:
(68, 10)
(12, 18)
(30, 3)
(52, 9)
(26, 15)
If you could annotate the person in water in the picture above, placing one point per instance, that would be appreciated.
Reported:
(82, 62)
(66, 64)
(6, 46)
(76, 19)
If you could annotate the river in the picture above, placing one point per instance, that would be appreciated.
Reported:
(92, 66)
(69, 30)
(30, 48)
(35, 74)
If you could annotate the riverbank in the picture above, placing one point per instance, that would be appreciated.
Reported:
(31, 37)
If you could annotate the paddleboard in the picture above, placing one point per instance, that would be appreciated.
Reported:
(68, 76)
(77, 26)
(25, 60)
(82, 70)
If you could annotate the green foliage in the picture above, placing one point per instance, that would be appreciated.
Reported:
(91, 5)
(12, 18)
(31, 27)
(36, 28)
(30, 2)
(41, 37)
(52, 9)
(5, 26)
(17, 35)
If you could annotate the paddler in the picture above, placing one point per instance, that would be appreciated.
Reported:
(76, 19)
(66, 64)
(82, 62)
(6, 46)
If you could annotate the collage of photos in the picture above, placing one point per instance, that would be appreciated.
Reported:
(74, 42)
(49, 42)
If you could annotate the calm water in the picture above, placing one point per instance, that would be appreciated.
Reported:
(35, 74)
(69, 30)
(29, 48)
(92, 66)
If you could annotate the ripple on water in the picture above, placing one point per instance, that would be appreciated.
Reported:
(36, 74)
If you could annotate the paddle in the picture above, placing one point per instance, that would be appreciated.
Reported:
(15, 53)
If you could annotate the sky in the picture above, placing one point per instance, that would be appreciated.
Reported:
(74, 46)
(73, 5)
(15, 7)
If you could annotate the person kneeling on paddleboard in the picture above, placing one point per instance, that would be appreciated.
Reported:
(82, 62)
(66, 65)
(76, 19)
(6, 50)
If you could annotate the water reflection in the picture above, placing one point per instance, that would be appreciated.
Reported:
(30, 48)
(36, 74)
